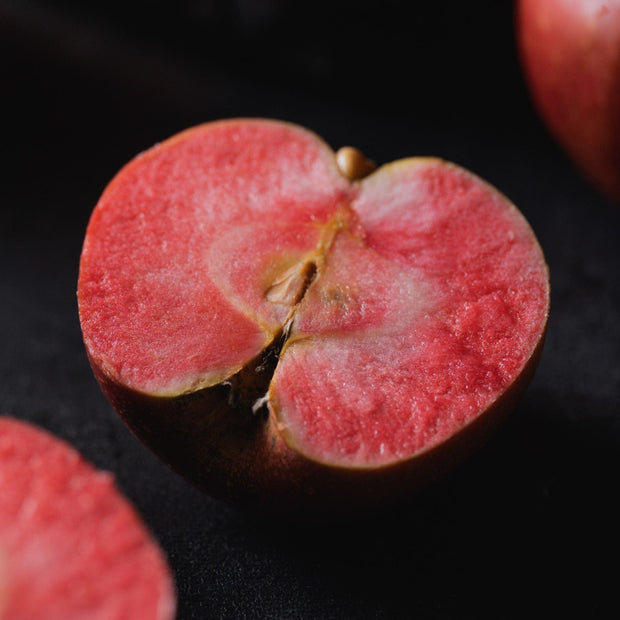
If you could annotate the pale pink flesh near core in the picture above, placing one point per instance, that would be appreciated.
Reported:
(428, 296)
(186, 241)
(70, 545)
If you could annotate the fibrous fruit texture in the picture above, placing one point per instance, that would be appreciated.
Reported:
(282, 334)
(71, 547)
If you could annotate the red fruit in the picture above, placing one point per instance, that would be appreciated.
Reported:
(570, 51)
(70, 545)
(286, 337)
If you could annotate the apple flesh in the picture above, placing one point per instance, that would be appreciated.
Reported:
(70, 545)
(288, 338)
(570, 52)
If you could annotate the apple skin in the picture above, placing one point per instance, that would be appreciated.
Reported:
(570, 53)
(243, 459)
(248, 457)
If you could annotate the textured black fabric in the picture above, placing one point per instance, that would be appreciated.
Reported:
(527, 526)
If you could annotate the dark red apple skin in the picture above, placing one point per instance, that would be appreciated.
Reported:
(570, 52)
(241, 458)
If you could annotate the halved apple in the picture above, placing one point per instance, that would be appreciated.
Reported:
(286, 335)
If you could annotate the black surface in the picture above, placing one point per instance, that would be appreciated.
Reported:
(526, 528)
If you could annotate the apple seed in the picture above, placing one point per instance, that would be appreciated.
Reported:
(290, 287)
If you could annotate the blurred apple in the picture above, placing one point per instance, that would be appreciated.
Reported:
(570, 51)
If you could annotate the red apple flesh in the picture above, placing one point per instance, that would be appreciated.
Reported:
(570, 52)
(288, 338)
(70, 545)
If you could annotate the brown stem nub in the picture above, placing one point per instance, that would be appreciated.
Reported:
(353, 164)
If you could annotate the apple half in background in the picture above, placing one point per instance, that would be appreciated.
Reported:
(288, 338)
(71, 546)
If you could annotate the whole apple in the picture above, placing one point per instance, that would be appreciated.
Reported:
(291, 328)
(570, 51)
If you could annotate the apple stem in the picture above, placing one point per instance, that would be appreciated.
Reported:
(353, 164)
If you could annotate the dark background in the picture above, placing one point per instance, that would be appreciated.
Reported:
(526, 528)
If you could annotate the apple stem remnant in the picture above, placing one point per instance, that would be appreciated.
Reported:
(353, 164)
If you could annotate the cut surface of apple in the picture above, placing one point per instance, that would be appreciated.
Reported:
(70, 545)
(264, 322)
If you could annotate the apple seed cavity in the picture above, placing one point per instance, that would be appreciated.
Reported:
(291, 285)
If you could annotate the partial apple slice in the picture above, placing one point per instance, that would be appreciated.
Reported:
(283, 333)
(70, 545)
